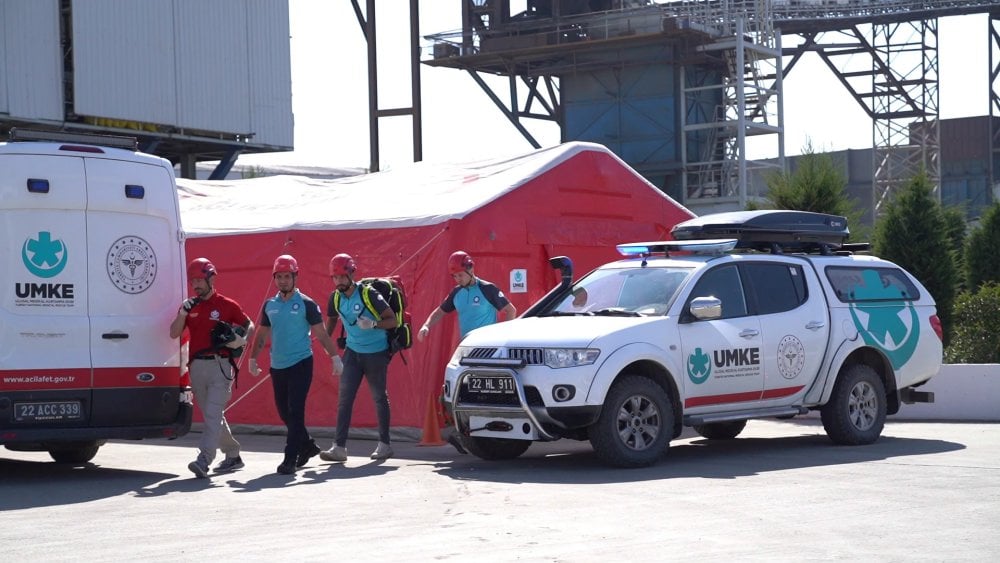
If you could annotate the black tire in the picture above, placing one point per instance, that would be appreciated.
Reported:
(494, 448)
(636, 423)
(855, 414)
(721, 430)
(75, 453)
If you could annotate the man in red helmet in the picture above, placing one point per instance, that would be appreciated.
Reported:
(366, 353)
(287, 319)
(477, 302)
(210, 369)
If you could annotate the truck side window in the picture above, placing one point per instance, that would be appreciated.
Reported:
(724, 284)
(776, 287)
(854, 284)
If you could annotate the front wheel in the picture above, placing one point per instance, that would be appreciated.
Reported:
(855, 414)
(81, 452)
(494, 448)
(635, 425)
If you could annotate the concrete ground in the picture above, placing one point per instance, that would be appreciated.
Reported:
(781, 492)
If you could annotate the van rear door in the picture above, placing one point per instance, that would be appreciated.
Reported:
(136, 284)
(45, 367)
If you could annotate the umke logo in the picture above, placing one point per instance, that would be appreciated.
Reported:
(44, 257)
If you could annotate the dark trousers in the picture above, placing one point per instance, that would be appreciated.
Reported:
(373, 368)
(291, 385)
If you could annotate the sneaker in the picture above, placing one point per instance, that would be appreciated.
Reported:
(457, 444)
(383, 451)
(286, 468)
(336, 453)
(199, 468)
(308, 450)
(229, 464)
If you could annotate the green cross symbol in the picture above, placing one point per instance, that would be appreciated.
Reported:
(44, 250)
(699, 366)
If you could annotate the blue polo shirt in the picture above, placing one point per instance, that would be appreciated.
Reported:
(290, 323)
(350, 310)
(477, 305)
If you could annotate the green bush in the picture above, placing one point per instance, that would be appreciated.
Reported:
(981, 264)
(913, 233)
(976, 331)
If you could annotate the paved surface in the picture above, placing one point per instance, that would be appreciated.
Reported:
(781, 492)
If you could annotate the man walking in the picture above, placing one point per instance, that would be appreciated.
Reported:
(210, 368)
(365, 316)
(477, 302)
(287, 320)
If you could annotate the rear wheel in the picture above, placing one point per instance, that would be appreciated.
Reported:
(494, 448)
(721, 430)
(855, 414)
(635, 425)
(77, 452)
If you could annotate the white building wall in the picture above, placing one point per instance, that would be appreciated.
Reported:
(271, 74)
(124, 61)
(212, 65)
(30, 59)
(220, 66)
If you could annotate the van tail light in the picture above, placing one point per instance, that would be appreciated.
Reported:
(936, 325)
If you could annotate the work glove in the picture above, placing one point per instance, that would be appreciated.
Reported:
(254, 370)
(424, 331)
(189, 304)
(338, 364)
(365, 323)
(238, 341)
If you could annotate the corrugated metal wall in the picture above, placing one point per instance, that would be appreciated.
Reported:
(221, 66)
(270, 71)
(127, 71)
(30, 73)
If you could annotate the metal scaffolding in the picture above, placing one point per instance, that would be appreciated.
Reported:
(732, 65)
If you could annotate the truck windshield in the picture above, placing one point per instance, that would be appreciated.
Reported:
(646, 291)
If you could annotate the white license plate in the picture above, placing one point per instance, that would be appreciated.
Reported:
(47, 411)
(488, 385)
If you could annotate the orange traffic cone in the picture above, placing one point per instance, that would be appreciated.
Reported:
(432, 429)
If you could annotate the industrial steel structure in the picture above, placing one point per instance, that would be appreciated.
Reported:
(676, 88)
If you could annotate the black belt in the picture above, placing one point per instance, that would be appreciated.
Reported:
(209, 356)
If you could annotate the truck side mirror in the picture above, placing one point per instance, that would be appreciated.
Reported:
(706, 308)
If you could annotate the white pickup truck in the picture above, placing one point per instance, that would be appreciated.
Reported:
(746, 315)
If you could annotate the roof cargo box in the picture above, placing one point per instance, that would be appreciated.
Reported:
(768, 229)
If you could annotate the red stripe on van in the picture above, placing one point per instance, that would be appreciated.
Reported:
(741, 397)
(721, 399)
(780, 392)
(105, 378)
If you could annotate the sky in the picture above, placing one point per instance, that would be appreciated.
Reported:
(460, 123)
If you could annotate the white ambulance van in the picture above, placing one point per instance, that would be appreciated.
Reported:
(91, 270)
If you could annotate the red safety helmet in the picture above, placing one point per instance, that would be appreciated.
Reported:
(201, 268)
(460, 262)
(285, 263)
(342, 265)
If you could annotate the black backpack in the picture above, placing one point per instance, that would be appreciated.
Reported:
(392, 290)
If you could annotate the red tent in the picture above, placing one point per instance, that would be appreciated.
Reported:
(511, 215)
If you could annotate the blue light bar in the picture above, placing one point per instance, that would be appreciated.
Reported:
(38, 186)
(707, 246)
(134, 192)
(634, 249)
